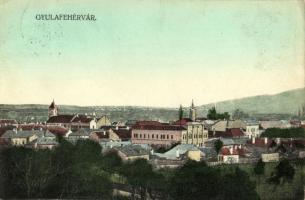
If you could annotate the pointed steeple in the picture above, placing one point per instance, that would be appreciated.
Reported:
(53, 109)
(192, 111)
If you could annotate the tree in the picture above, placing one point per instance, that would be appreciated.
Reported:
(239, 114)
(218, 145)
(237, 185)
(284, 171)
(259, 169)
(195, 180)
(212, 114)
(180, 112)
(138, 174)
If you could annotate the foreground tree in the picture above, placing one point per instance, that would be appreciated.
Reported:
(195, 180)
(259, 169)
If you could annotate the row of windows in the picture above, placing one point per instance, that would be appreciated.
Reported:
(195, 136)
(153, 136)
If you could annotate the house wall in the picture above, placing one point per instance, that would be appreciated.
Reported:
(23, 141)
(194, 155)
(125, 157)
(270, 157)
(156, 137)
(196, 134)
(252, 131)
(230, 159)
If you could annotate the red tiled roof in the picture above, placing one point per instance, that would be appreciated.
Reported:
(159, 127)
(233, 132)
(260, 142)
(8, 121)
(102, 134)
(82, 119)
(123, 133)
(28, 127)
(236, 151)
(182, 122)
(61, 119)
(58, 130)
(144, 123)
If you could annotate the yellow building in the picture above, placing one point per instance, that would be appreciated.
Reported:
(19, 138)
(103, 121)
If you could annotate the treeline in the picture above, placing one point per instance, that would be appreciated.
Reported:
(81, 171)
(284, 133)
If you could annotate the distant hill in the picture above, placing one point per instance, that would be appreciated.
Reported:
(286, 104)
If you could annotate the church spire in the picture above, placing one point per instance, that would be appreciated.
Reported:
(52, 109)
(192, 111)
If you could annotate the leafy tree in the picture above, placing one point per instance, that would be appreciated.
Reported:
(213, 115)
(239, 114)
(284, 133)
(112, 162)
(238, 185)
(195, 180)
(283, 171)
(218, 145)
(180, 112)
(259, 169)
(138, 174)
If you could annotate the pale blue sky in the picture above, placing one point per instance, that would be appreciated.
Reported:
(154, 53)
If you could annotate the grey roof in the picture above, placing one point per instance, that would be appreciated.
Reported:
(132, 150)
(18, 134)
(107, 144)
(80, 132)
(209, 152)
(172, 153)
(45, 133)
(46, 141)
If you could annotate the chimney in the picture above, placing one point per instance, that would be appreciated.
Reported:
(253, 140)
(152, 152)
(117, 127)
(266, 140)
(127, 127)
(15, 130)
(278, 141)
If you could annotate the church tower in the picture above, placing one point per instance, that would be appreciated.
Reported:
(193, 112)
(53, 110)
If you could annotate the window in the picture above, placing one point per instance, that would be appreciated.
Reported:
(157, 136)
(152, 136)
(140, 135)
(144, 136)
(172, 137)
(167, 137)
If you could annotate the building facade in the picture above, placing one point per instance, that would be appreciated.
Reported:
(157, 134)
